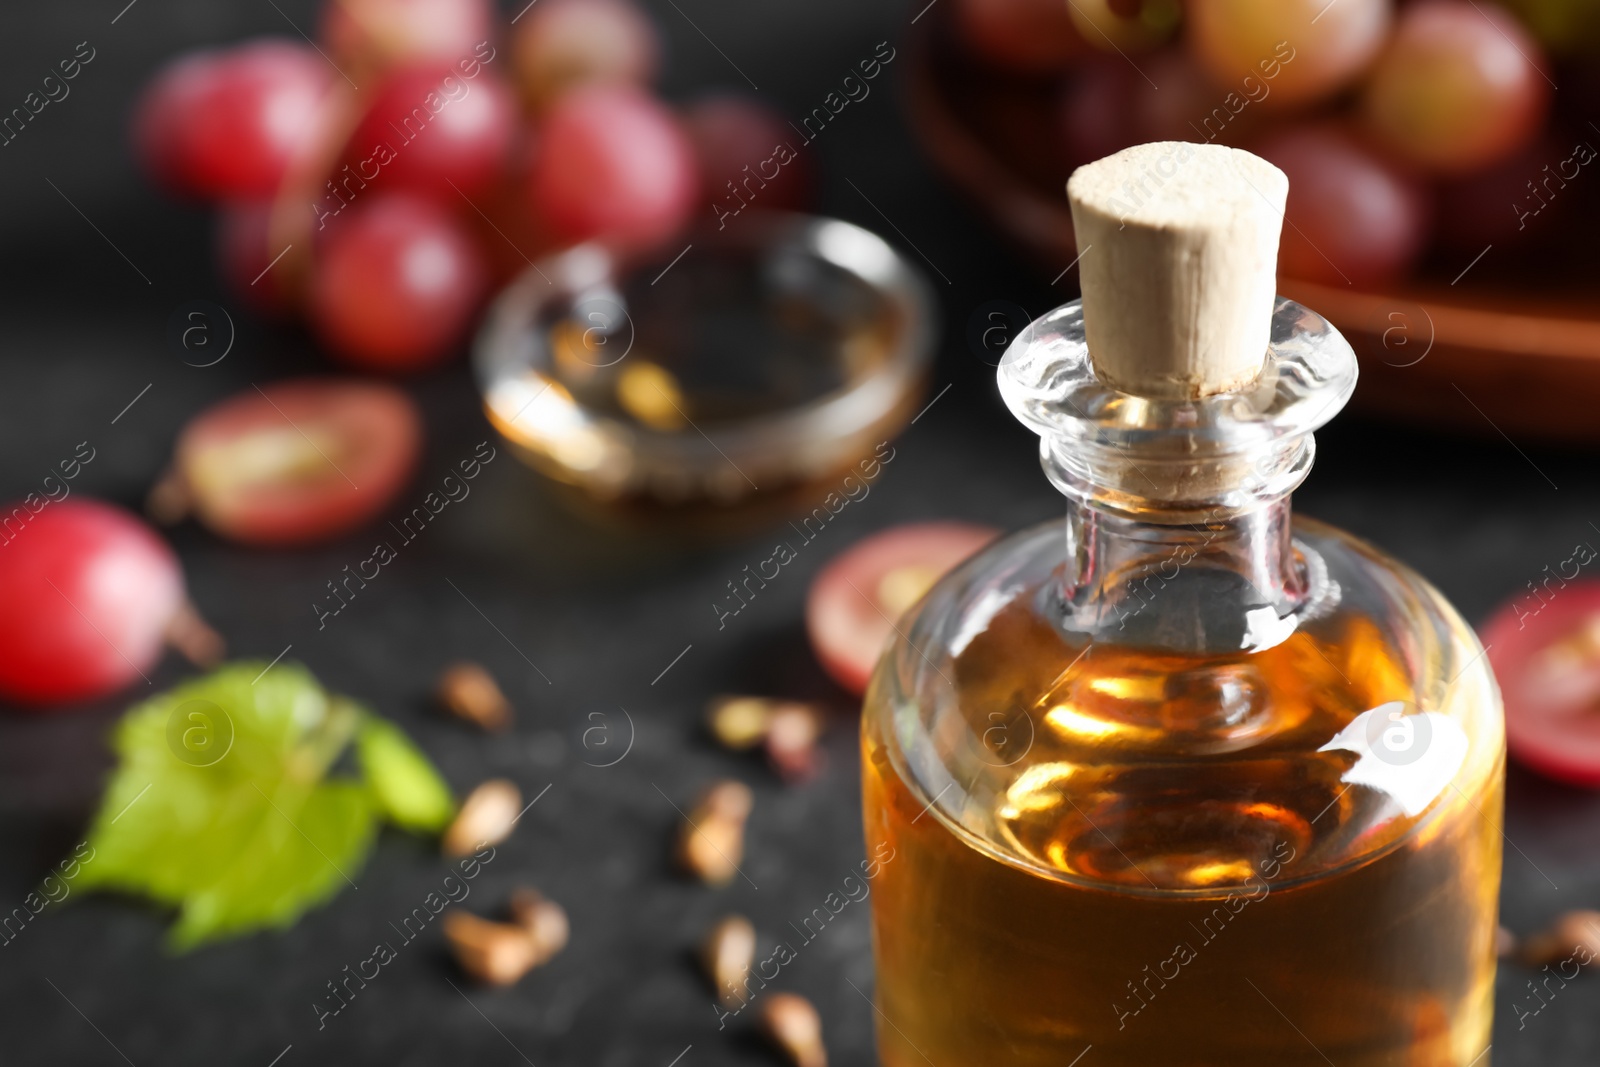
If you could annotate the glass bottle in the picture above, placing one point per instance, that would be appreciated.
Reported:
(1182, 780)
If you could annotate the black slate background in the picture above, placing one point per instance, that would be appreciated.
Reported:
(600, 614)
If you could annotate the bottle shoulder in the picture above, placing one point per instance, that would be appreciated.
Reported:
(1123, 764)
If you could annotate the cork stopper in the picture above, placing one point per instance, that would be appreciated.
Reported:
(1179, 248)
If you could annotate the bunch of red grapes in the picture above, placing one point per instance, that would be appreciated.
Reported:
(1401, 125)
(381, 184)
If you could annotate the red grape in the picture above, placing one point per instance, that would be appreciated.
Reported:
(1124, 26)
(1109, 105)
(1352, 218)
(853, 602)
(560, 44)
(396, 285)
(735, 140)
(507, 231)
(1459, 87)
(1027, 36)
(368, 37)
(231, 124)
(1298, 50)
(90, 592)
(430, 126)
(613, 164)
(296, 462)
(1186, 106)
(1547, 660)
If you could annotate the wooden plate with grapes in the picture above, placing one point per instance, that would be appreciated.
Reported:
(1444, 170)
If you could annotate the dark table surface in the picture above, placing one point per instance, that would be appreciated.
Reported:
(96, 263)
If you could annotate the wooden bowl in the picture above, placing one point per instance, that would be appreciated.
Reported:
(1510, 344)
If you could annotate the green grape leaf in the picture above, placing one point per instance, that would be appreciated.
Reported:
(222, 804)
(404, 784)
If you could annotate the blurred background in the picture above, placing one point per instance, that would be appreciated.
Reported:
(593, 584)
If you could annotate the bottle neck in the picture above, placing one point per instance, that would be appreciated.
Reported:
(1178, 534)
(1231, 582)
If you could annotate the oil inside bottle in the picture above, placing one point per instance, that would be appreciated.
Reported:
(1154, 861)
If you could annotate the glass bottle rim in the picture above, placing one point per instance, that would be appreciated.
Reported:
(1048, 381)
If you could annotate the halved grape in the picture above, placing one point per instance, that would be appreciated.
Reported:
(293, 462)
(854, 601)
(1546, 656)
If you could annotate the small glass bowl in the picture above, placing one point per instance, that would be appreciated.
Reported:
(725, 384)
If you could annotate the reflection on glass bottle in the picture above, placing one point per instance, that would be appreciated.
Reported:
(1183, 782)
